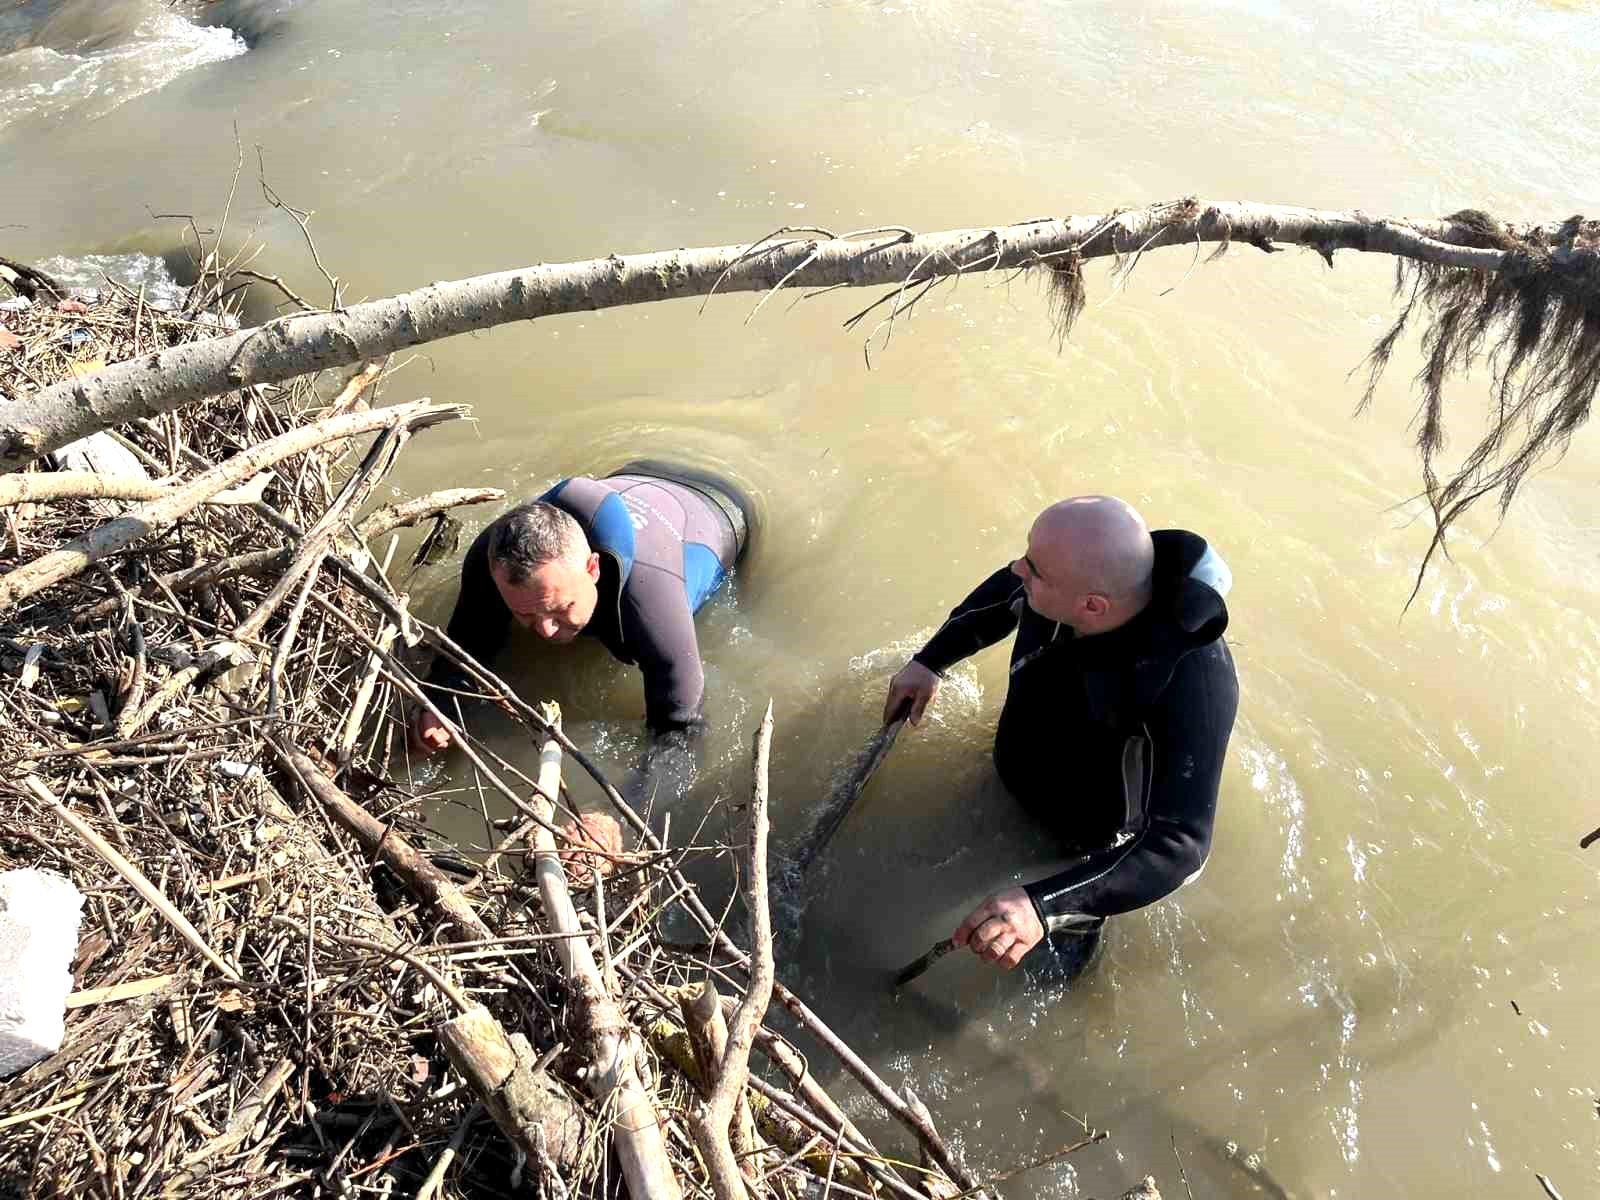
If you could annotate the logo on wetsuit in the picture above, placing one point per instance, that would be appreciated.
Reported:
(639, 519)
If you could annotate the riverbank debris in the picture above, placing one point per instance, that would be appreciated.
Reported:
(287, 983)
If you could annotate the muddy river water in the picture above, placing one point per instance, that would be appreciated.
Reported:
(1331, 1005)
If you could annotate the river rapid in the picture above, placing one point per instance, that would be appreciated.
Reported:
(1329, 1010)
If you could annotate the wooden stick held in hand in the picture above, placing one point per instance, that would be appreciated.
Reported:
(913, 970)
(844, 799)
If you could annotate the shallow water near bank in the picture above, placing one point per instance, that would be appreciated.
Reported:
(1330, 1005)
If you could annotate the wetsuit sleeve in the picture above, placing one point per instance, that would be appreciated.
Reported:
(661, 626)
(478, 624)
(979, 621)
(659, 623)
(1188, 738)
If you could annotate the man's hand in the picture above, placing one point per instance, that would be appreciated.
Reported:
(915, 683)
(1001, 929)
(428, 734)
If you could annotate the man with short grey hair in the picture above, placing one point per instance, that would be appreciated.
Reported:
(628, 559)
(1117, 714)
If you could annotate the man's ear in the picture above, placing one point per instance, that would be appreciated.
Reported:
(593, 566)
(1096, 605)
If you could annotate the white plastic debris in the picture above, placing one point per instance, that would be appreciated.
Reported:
(38, 939)
(102, 454)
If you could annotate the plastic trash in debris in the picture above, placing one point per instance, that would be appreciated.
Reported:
(101, 453)
(38, 940)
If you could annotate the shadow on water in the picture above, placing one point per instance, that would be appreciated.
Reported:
(1211, 1160)
(254, 22)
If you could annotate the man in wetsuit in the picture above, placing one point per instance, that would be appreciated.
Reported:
(628, 559)
(1121, 698)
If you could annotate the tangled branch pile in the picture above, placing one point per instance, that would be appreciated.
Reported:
(285, 985)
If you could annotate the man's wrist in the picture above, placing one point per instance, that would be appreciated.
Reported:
(1038, 909)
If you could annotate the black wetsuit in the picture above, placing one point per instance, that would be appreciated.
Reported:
(1116, 741)
(665, 547)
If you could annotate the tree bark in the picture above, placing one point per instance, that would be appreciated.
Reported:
(527, 1108)
(90, 485)
(598, 1026)
(302, 343)
(710, 1121)
(708, 1035)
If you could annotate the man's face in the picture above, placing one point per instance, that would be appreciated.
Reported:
(556, 599)
(1047, 578)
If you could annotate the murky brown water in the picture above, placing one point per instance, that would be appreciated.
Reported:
(1395, 860)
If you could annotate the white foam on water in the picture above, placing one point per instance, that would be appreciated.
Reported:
(37, 82)
(133, 271)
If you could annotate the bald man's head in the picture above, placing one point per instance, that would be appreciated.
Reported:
(1089, 563)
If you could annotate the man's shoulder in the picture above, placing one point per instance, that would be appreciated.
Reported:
(1203, 677)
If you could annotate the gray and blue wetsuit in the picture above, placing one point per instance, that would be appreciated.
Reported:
(666, 544)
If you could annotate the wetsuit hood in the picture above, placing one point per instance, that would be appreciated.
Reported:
(1191, 583)
(1187, 610)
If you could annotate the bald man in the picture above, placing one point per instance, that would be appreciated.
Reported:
(1116, 719)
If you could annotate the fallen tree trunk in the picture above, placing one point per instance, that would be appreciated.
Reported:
(303, 343)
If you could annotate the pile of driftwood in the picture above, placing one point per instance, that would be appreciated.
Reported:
(284, 984)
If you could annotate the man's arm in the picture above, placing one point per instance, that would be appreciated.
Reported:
(982, 619)
(1189, 739)
(1189, 734)
(659, 626)
(478, 624)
